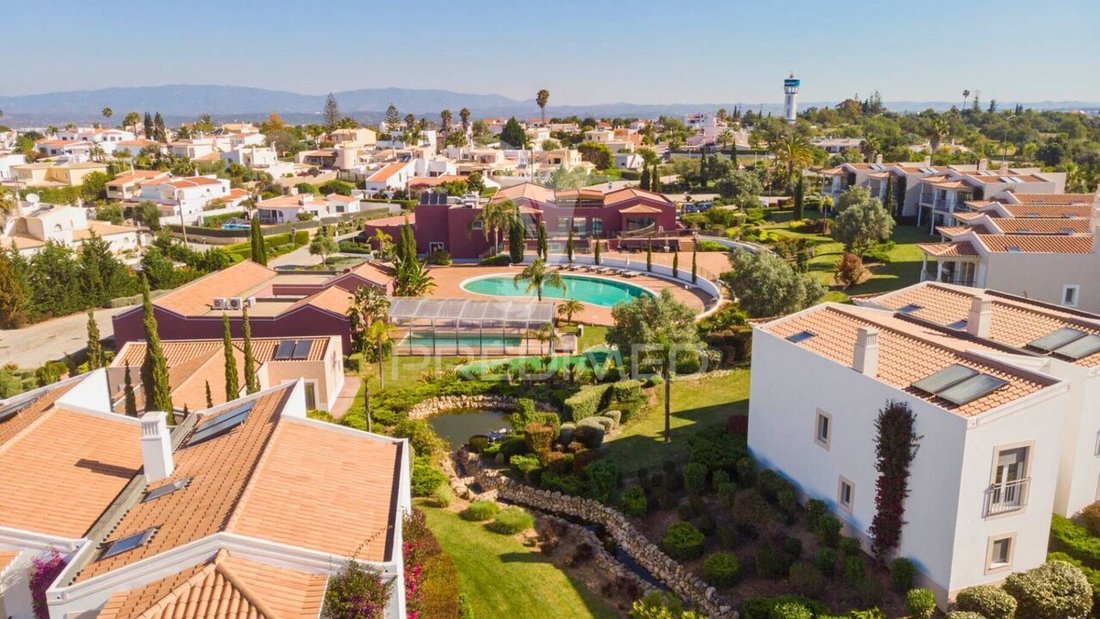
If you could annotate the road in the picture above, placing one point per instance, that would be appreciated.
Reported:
(33, 346)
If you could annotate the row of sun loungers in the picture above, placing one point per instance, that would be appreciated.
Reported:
(584, 268)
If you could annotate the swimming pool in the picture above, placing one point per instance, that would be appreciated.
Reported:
(591, 290)
(473, 340)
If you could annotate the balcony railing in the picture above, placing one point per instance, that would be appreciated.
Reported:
(1007, 497)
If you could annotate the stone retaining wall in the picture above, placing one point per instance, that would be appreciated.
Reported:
(604, 559)
(443, 404)
(692, 589)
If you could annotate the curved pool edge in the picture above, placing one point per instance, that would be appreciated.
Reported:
(462, 286)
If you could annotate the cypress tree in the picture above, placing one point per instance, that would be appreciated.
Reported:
(596, 253)
(256, 238)
(13, 297)
(694, 267)
(95, 349)
(649, 255)
(676, 265)
(703, 169)
(645, 178)
(252, 381)
(128, 392)
(733, 154)
(888, 200)
(154, 371)
(655, 180)
(543, 248)
(799, 211)
(232, 387)
(147, 124)
(209, 396)
(569, 244)
(515, 241)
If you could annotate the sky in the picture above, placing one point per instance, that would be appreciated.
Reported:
(583, 51)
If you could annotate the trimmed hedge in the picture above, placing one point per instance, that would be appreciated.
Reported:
(511, 520)
(902, 573)
(1075, 541)
(721, 569)
(1055, 590)
(921, 603)
(764, 608)
(587, 402)
(683, 542)
(989, 601)
(479, 511)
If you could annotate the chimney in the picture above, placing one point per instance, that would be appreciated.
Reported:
(1003, 169)
(878, 158)
(983, 164)
(866, 357)
(156, 446)
(980, 317)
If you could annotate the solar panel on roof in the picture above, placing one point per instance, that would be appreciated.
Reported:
(301, 350)
(1080, 348)
(947, 377)
(972, 388)
(221, 424)
(1053, 341)
(284, 351)
(799, 337)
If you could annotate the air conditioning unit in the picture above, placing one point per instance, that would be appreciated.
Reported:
(236, 303)
(220, 303)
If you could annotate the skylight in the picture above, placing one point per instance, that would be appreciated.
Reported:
(1015, 249)
(910, 308)
(126, 544)
(166, 489)
(1053, 341)
(799, 337)
(947, 377)
(221, 424)
(958, 324)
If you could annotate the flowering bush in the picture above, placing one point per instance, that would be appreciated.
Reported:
(44, 569)
(356, 592)
(896, 445)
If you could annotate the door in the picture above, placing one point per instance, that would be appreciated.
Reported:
(1007, 489)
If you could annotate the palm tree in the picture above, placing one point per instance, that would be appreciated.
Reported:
(495, 217)
(568, 308)
(108, 113)
(538, 277)
(936, 131)
(131, 120)
(369, 318)
(966, 95)
(793, 151)
(445, 119)
(542, 98)
(464, 117)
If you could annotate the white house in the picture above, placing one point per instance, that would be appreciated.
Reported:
(390, 177)
(284, 209)
(230, 506)
(7, 160)
(189, 197)
(994, 423)
(35, 223)
(260, 158)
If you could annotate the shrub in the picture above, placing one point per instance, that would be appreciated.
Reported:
(525, 464)
(513, 446)
(751, 512)
(695, 478)
(716, 449)
(478, 443)
(439, 257)
(607, 423)
(356, 591)
(793, 547)
(425, 477)
(605, 477)
(511, 520)
(849, 271)
(718, 478)
(1054, 590)
(587, 402)
(849, 547)
(628, 397)
(589, 436)
(441, 496)
(1090, 518)
(1074, 540)
(825, 560)
(766, 608)
(902, 572)
(769, 483)
(422, 438)
(815, 509)
(727, 491)
(746, 472)
(682, 542)
(566, 483)
(498, 260)
(989, 601)
(964, 614)
(870, 592)
(565, 433)
(807, 579)
(828, 530)
(854, 570)
(771, 562)
(705, 523)
(721, 569)
(633, 502)
(539, 436)
(479, 511)
(921, 603)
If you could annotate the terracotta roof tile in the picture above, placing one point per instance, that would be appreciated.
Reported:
(6, 558)
(947, 250)
(1036, 243)
(1048, 211)
(386, 172)
(197, 297)
(1034, 225)
(1055, 198)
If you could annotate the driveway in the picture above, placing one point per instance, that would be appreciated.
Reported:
(33, 346)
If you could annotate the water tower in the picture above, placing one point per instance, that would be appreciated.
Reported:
(790, 101)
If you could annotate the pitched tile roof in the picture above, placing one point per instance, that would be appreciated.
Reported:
(1036, 243)
(385, 173)
(197, 297)
(633, 193)
(948, 250)
(1016, 322)
(6, 558)
(1035, 225)
(1055, 198)
(909, 353)
(1048, 211)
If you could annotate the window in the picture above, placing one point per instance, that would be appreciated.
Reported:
(166, 489)
(824, 428)
(1070, 294)
(999, 556)
(477, 225)
(435, 246)
(846, 494)
(128, 543)
(1008, 490)
(311, 395)
(597, 225)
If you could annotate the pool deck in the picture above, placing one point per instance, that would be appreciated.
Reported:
(448, 283)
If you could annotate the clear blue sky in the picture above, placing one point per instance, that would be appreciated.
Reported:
(586, 51)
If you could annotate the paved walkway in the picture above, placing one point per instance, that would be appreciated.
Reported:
(33, 346)
(342, 404)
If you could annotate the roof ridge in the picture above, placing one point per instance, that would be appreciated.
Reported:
(174, 595)
(244, 589)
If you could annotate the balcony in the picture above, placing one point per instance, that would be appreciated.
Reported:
(1006, 497)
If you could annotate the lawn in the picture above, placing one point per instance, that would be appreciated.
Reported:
(503, 578)
(696, 404)
(902, 270)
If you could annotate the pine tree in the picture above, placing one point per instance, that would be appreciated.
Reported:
(569, 244)
(232, 386)
(675, 265)
(645, 178)
(649, 255)
(147, 125)
(332, 112)
(209, 396)
(252, 381)
(256, 238)
(694, 263)
(128, 392)
(799, 211)
(154, 370)
(158, 128)
(95, 348)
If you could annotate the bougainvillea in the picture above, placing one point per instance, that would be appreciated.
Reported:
(356, 592)
(419, 545)
(44, 569)
(896, 446)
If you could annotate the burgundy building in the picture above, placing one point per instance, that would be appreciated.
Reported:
(592, 214)
(280, 304)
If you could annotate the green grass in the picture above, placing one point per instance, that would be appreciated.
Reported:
(902, 270)
(400, 372)
(502, 578)
(695, 405)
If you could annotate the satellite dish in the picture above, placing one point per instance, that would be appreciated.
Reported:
(33, 198)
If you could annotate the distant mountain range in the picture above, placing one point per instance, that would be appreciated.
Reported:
(179, 102)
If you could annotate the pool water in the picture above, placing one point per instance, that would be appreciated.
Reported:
(591, 290)
(488, 340)
(457, 427)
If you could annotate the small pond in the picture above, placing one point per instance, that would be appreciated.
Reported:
(455, 427)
